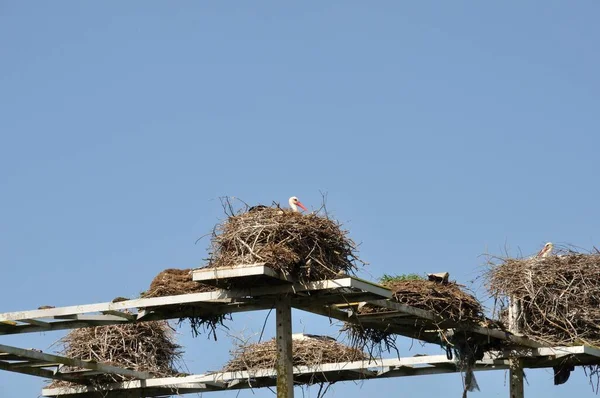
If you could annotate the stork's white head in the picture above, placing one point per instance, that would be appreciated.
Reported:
(295, 203)
(546, 251)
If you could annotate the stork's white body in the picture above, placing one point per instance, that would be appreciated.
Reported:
(306, 336)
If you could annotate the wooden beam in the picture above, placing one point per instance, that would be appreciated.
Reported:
(40, 356)
(35, 322)
(500, 335)
(283, 337)
(208, 297)
(225, 275)
(58, 326)
(412, 332)
(33, 371)
(333, 299)
(33, 364)
(121, 314)
(439, 320)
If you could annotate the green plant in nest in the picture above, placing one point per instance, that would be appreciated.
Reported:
(400, 278)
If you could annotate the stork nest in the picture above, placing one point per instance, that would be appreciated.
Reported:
(448, 300)
(307, 247)
(559, 295)
(445, 299)
(306, 352)
(171, 282)
(146, 347)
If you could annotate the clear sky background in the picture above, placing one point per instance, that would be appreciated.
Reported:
(439, 130)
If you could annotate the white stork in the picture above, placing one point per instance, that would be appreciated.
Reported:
(546, 250)
(306, 336)
(295, 203)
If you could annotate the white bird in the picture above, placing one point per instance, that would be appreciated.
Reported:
(295, 203)
(306, 336)
(546, 250)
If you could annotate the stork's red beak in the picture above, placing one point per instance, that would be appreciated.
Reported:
(301, 206)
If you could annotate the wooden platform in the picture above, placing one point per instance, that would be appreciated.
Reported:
(251, 297)
(256, 287)
(240, 275)
(332, 372)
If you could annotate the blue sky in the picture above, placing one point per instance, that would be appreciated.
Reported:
(439, 130)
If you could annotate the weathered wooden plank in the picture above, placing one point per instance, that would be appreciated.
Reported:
(41, 356)
(256, 274)
(32, 371)
(499, 334)
(35, 322)
(120, 314)
(412, 332)
(359, 370)
(33, 364)
(181, 299)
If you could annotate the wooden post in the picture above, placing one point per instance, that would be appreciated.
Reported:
(285, 369)
(516, 378)
(514, 316)
(515, 363)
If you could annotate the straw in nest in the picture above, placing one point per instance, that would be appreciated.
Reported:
(559, 295)
(306, 352)
(305, 246)
(174, 281)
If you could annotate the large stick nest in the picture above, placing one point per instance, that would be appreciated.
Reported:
(174, 281)
(447, 300)
(306, 352)
(559, 295)
(307, 247)
(147, 347)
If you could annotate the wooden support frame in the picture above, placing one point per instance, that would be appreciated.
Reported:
(419, 319)
(332, 298)
(346, 371)
(30, 361)
(158, 308)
